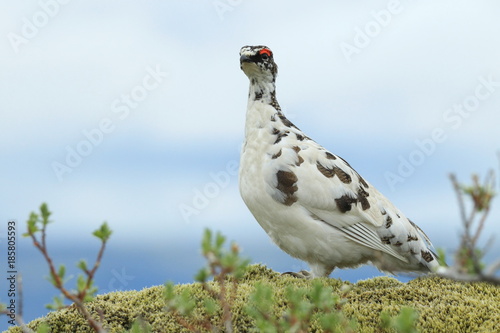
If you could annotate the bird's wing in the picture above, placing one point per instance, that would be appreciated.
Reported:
(332, 191)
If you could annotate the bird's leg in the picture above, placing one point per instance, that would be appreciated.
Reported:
(301, 275)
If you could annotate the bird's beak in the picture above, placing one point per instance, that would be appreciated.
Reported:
(245, 58)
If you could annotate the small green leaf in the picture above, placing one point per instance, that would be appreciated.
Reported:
(32, 225)
(202, 275)
(140, 326)
(81, 283)
(262, 298)
(103, 233)
(406, 320)
(82, 264)
(206, 242)
(33, 219)
(168, 291)
(219, 241)
(185, 303)
(211, 306)
(441, 256)
(57, 304)
(43, 328)
(329, 321)
(51, 278)
(44, 210)
(241, 269)
(322, 296)
(90, 294)
(227, 261)
(61, 272)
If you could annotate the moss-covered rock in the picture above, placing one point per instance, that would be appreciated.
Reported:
(443, 305)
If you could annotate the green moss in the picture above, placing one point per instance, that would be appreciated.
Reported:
(443, 305)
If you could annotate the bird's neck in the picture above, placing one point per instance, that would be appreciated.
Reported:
(263, 91)
(262, 104)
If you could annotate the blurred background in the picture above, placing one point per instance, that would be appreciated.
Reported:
(133, 113)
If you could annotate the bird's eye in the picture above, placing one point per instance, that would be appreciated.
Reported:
(265, 54)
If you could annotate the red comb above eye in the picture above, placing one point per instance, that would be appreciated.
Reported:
(265, 51)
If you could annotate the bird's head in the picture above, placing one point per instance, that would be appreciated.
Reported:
(257, 62)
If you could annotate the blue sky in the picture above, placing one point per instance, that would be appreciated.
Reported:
(133, 113)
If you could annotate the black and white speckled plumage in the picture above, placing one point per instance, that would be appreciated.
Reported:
(311, 202)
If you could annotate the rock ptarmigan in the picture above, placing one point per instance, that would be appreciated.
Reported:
(311, 202)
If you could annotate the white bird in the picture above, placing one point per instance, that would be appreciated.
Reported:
(311, 202)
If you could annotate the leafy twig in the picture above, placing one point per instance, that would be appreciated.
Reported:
(468, 265)
(222, 265)
(85, 288)
(304, 305)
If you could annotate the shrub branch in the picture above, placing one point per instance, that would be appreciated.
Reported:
(468, 265)
(85, 289)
